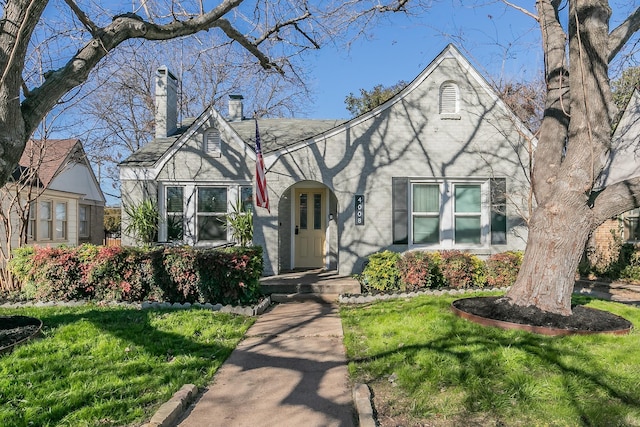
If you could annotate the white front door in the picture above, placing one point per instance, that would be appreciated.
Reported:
(310, 225)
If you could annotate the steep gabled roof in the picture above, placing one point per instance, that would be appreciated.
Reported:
(280, 135)
(48, 157)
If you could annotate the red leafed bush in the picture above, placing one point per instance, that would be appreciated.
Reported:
(228, 276)
(462, 270)
(419, 270)
(503, 268)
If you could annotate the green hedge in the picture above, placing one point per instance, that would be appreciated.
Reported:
(226, 276)
(412, 271)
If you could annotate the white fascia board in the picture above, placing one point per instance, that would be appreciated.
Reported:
(151, 173)
(448, 52)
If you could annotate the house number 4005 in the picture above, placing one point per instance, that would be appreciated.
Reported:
(359, 209)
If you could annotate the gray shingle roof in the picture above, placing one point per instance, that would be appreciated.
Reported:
(274, 135)
(279, 133)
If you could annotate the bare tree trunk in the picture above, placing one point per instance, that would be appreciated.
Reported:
(554, 248)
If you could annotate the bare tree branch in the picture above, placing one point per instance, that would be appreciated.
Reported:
(621, 34)
(521, 9)
(616, 199)
(86, 21)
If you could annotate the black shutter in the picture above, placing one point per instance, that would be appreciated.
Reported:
(400, 203)
(498, 211)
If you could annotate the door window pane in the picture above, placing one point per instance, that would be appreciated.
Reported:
(303, 211)
(317, 211)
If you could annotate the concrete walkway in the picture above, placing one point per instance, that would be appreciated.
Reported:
(290, 370)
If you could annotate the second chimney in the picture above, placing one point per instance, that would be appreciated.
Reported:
(166, 103)
(236, 113)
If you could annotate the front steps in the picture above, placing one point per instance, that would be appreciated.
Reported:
(309, 284)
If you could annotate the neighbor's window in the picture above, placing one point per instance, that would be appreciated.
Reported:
(84, 215)
(246, 198)
(175, 213)
(449, 98)
(33, 219)
(61, 220)
(46, 221)
(211, 208)
(632, 225)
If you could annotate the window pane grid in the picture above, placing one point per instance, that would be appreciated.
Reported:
(211, 208)
(467, 211)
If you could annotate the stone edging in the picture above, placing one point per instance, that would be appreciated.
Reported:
(173, 409)
(255, 310)
(364, 299)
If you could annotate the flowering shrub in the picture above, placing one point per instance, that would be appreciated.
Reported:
(230, 275)
(502, 268)
(419, 270)
(381, 272)
(226, 276)
(462, 270)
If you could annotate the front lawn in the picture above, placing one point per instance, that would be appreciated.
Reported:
(428, 367)
(96, 366)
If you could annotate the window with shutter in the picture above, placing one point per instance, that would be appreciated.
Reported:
(449, 98)
(449, 213)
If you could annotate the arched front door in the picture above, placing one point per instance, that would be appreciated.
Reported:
(310, 216)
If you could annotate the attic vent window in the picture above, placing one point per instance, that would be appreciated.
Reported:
(212, 143)
(449, 100)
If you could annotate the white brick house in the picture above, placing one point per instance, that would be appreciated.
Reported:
(442, 165)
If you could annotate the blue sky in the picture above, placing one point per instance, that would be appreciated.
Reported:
(501, 42)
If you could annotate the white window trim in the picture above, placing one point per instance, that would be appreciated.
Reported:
(449, 115)
(190, 201)
(447, 213)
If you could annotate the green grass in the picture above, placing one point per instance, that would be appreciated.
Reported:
(425, 365)
(97, 366)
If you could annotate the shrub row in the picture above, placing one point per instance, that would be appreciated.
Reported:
(226, 276)
(390, 271)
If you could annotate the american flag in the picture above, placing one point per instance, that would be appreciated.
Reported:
(262, 197)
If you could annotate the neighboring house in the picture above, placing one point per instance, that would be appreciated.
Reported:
(442, 165)
(623, 163)
(66, 204)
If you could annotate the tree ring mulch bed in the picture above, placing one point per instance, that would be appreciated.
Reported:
(15, 330)
(499, 312)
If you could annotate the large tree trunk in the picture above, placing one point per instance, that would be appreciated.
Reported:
(575, 138)
(555, 244)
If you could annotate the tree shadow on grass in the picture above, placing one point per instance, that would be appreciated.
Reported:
(479, 362)
(134, 361)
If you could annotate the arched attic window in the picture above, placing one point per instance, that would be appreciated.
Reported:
(449, 99)
(212, 143)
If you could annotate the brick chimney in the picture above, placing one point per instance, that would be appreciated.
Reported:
(235, 108)
(166, 102)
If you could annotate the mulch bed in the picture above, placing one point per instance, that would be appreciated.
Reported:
(582, 320)
(16, 329)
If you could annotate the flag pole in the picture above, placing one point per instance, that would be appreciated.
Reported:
(262, 196)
